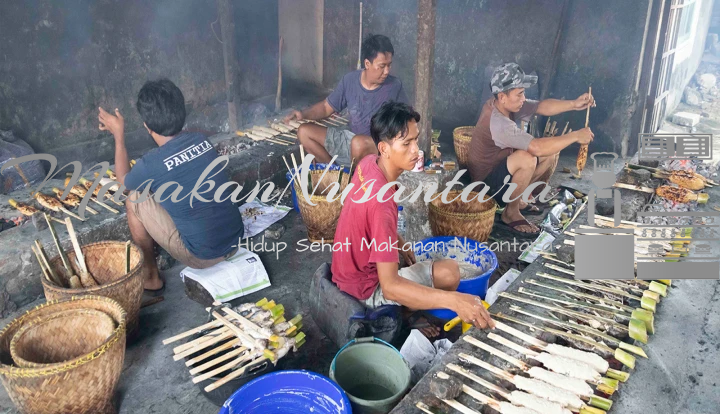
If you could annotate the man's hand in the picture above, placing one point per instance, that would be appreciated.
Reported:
(294, 115)
(471, 310)
(115, 124)
(406, 251)
(584, 136)
(583, 102)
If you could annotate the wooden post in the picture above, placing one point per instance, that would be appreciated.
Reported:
(424, 71)
(227, 29)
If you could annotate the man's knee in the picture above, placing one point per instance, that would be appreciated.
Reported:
(447, 273)
(362, 145)
(522, 160)
(303, 134)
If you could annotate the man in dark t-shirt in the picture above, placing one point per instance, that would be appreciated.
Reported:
(362, 92)
(197, 233)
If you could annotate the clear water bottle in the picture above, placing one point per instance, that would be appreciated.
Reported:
(401, 221)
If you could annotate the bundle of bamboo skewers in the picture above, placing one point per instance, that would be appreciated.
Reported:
(593, 318)
(238, 339)
(66, 277)
(286, 134)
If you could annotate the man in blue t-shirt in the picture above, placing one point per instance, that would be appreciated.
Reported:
(363, 92)
(199, 234)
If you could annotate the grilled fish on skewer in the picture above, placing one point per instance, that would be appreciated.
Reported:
(72, 200)
(25, 209)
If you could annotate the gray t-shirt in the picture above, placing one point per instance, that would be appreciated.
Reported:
(505, 131)
(362, 103)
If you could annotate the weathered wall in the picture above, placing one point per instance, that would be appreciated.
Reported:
(690, 53)
(64, 58)
(301, 27)
(600, 47)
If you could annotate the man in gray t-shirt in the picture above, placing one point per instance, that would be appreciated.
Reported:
(501, 150)
(362, 92)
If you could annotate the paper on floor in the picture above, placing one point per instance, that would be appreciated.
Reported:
(237, 276)
(258, 216)
(542, 243)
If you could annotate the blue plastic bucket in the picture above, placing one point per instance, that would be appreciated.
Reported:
(288, 392)
(313, 167)
(460, 249)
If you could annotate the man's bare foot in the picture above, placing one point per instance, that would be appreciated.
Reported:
(508, 218)
(153, 282)
(430, 332)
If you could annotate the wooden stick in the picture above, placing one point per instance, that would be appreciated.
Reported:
(289, 136)
(42, 265)
(217, 360)
(567, 124)
(202, 339)
(265, 332)
(61, 252)
(70, 213)
(512, 345)
(232, 375)
(104, 205)
(278, 95)
(294, 178)
(634, 188)
(496, 352)
(423, 407)
(43, 256)
(86, 278)
(489, 385)
(127, 257)
(209, 325)
(520, 335)
(247, 340)
(230, 365)
(292, 157)
(302, 154)
(587, 114)
(202, 346)
(206, 355)
(152, 301)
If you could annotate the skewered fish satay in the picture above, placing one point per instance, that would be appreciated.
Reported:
(54, 204)
(680, 195)
(88, 184)
(25, 209)
(72, 200)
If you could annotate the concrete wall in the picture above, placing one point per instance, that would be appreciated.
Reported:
(600, 46)
(690, 52)
(62, 59)
(301, 27)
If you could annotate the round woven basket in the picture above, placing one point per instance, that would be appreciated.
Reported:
(321, 219)
(461, 140)
(84, 385)
(106, 262)
(60, 337)
(473, 219)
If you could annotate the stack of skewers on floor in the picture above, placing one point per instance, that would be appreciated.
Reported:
(594, 322)
(237, 339)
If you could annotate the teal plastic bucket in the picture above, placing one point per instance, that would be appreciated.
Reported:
(373, 374)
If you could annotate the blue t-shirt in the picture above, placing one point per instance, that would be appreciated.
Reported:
(362, 103)
(208, 229)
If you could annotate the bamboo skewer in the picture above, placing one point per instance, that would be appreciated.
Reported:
(72, 200)
(73, 280)
(209, 325)
(55, 278)
(42, 264)
(54, 204)
(608, 313)
(127, 257)
(230, 365)
(232, 375)
(219, 359)
(582, 329)
(86, 278)
(82, 191)
(214, 351)
(583, 153)
(207, 341)
(471, 392)
(605, 303)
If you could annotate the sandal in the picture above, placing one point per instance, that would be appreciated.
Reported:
(512, 227)
(153, 293)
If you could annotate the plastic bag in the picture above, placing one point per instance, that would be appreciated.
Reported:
(12, 147)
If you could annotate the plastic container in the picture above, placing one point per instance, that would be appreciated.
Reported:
(462, 250)
(373, 373)
(317, 166)
(288, 392)
(401, 221)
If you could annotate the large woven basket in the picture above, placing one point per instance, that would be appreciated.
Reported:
(106, 262)
(84, 385)
(461, 140)
(61, 337)
(321, 219)
(473, 219)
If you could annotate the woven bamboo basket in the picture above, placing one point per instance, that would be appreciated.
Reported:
(61, 337)
(321, 219)
(84, 385)
(473, 219)
(461, 140)
(106, 262)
